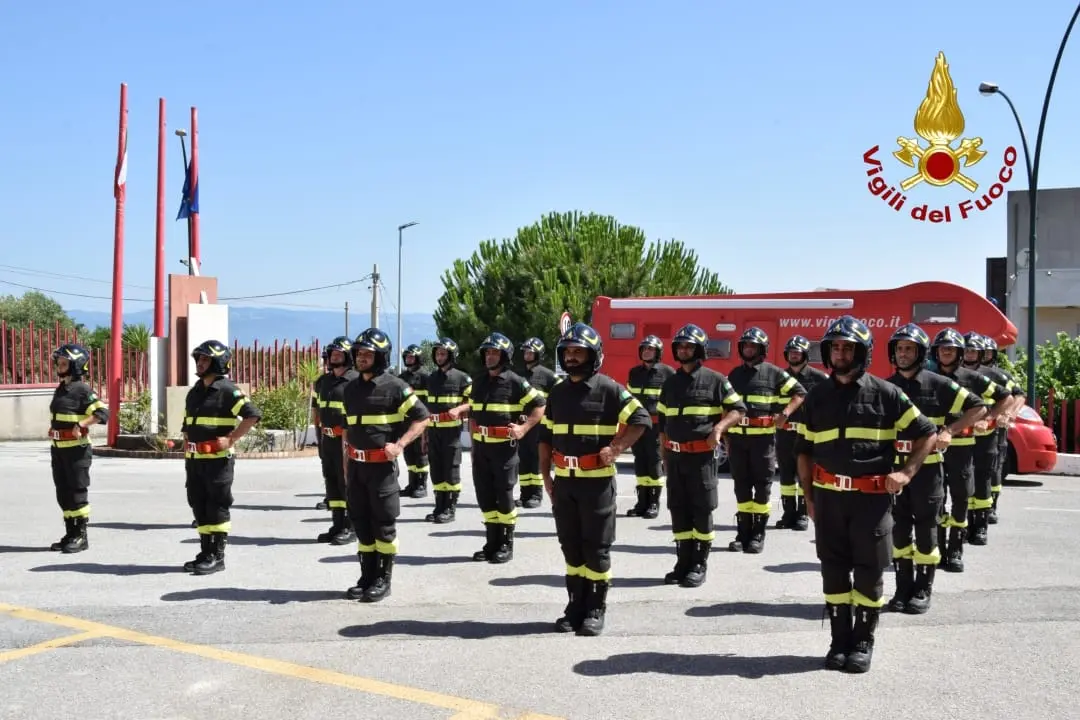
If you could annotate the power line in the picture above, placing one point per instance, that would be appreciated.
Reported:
(71, 294)
(297, 292)
(28, 271)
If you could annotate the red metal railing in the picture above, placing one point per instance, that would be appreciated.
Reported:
(271, 366)
(1063, 417)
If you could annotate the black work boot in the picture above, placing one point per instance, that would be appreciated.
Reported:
(532, 496)
(215, 561)
(323, 504)
(905, 584)
(684, 560)
(504, 544)
(992, 516)
(699, 564)
(340, 532)
(490, 543)
(744, 522)
(417, 486)
(69, 532)
(449, 509)
(206, 549)
(78, 541)
(595, 608)
(977, 527)
(642, 503)
(440, 505)
(652, 510)
(942, 541)
(840, 626)
(862, 640)
(574, 612)
(954, 550)
(758, 523)
(787, 519)
(924, 587)
(380, 585)
(802, 520)
(368, 565)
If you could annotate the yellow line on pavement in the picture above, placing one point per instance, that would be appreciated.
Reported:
(47, 645)
(470, 709)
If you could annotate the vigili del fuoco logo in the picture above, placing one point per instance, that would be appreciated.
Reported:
(941, 161)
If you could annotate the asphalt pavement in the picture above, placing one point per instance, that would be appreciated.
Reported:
(120, 631)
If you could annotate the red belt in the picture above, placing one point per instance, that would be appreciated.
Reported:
(367, 456)
(333, 431)
(492, 431)
(904, 446)
(579, 462)
(867, 483)
(441, 417)
(71, 434)
(205, 447)
(690, 446)
(764, 421)
(655, 418)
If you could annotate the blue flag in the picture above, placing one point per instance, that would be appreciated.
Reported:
(189, 202)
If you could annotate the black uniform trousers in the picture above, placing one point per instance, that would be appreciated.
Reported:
(750, 462)
(333, 471)
(529, 460)
(787, 463)
(71, 477)
(209, 493)
(444, 458)
(915, 511)
(374, 505)
(692, 495)
(985, 467)
(1002, 460)
(416, 460)
(495, 471)
(852, 534)
(959, 485)
(647, 467)
(584, 510)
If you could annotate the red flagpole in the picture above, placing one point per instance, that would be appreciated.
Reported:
(159, 253)
(115, 347)
(194, 183)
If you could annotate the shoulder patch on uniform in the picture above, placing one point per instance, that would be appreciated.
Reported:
(238, 393)
(903, 396)
(525, 384)
(406, 391)
(93, 396)
(624, 394)
(953, 386)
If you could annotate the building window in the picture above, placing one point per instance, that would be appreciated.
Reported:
(718, 350)
(815, 353)
(935, 313)
(622, 331)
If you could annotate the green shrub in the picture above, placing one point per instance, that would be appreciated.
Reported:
(134, 415)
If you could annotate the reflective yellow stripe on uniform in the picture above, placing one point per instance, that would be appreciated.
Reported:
(764, 399)
(786, 387)
(662, 409)
(385, 418)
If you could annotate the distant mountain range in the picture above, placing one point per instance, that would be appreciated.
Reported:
(248, 324)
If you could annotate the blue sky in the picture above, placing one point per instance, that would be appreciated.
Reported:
(324, 126)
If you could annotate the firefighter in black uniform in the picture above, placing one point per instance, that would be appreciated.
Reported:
(323, 504)
(216, 415)
(987, 463)
(448, 390)
(847, 466)
(580, 439)
(797, 354)
(542, 379)
(330, 424)
(990, 360)
(697, 406)
(915, 510)
(771, 396)
(382, 416)
(503, 407)
(416, 458)
(74, 408)
(645, 381)
(946, 351)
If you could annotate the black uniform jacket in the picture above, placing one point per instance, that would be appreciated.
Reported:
(379, 411)
(416, 378)
(498, 400)
(329, 391)
(582, 417)
(646, 382)
(766, 390)
(979, 384)
(851, 428)
(939, 399)
(72, 403)
(691, 403)
(808, 377)
(213, 411)
(446, 390)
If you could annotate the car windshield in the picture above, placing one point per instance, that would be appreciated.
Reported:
(1028, 414)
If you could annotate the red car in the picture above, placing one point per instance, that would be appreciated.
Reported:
(1033, 448)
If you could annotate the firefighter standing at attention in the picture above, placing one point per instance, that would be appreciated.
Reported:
(217, 414)
(323, 504)
(542, 378)
(847, 460)
(416, 457)
(946, 351)
(448, 390)
(503, 407)
(987, 462)
(990, 360)
(580, 439)
(645, 381)
(74, 408)
(382, 416)
(329, 420)
(915, 510)
(771, 396)
(697, 406)
(797, 354)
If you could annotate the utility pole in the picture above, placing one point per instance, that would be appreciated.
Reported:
(375, 297)
(397, 339)
(346, 318)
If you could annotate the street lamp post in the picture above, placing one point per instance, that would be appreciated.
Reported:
(400, 231)
(1033, 195)
(180, 133)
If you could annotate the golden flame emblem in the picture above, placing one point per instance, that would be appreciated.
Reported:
(940, 122)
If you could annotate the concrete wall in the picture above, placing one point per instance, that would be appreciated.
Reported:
(24, 415)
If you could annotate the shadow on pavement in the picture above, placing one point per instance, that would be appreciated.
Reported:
(700, 665)
(270, 508)
(800, 611)
(101, 569)
(23, 549)
(140, 526)
(558, 581)
(483, 533)
(273, 597)
(464, 629)
(261, 541)
(795, 567)
(1016, 482)
(403, 559)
